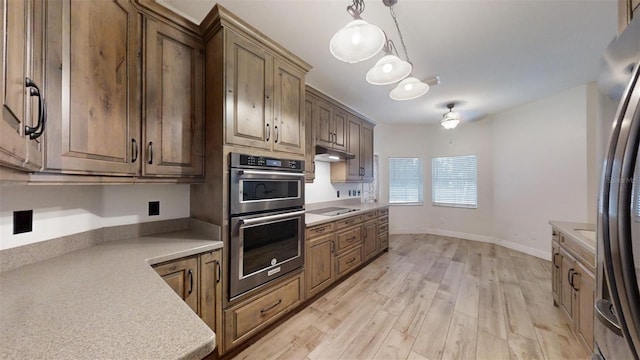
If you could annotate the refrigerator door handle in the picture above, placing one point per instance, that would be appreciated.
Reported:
(604, 313)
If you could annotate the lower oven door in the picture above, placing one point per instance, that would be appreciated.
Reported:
(264, 247)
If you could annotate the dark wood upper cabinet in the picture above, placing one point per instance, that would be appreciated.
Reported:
(93, 95)
(22, 37)
(173, 92)
(289, 116)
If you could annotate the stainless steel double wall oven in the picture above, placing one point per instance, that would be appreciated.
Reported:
(266, 222)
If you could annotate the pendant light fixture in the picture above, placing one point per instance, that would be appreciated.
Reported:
(451, 119)
(412, 88)
(358, 40)
(389, 69)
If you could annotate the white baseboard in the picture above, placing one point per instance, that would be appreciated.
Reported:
(545, 255)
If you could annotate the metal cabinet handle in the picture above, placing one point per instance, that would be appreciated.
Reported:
(219, 274)
(351, 238)
(262, 311)
(150, 152)
(351, 261)
(38, 130)
(569, 276)
(275, 128)
(268, 131)
(573, 285)
(333, 247)
(554, 261)
(190, 273)
(134, 150)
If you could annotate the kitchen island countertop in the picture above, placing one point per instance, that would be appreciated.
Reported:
(104, 301)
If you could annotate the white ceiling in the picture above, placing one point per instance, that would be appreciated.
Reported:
(490, 55)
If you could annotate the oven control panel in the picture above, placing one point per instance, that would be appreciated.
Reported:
(262, 162)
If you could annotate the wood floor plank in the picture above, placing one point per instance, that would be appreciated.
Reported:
(556, 346)
(490, 347)
(467, 301)
(429, 341)
(413, 316)
(302, 344)
(369, 340)
(491, 311)
(416, 356)
(387, 284)
(437, 271)
(396, 346)
(461, 338)
(450, 283)
(489, 269)
(518, 321)
(405, 293)
(523, 348)
(506, 274)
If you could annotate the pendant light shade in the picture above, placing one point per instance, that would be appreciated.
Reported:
(357, 41)
(451, 119)
(388, 70)
(409, 89)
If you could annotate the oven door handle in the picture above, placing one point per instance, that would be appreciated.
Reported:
(278, 173)
(270, 217)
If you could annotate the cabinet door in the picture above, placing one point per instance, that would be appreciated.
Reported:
(340, 124)
(310, 146)
(289, 117)
(354, 170)
(585, 283)
(566, 291)
(319, 267)
(182, 277)
(93, 62)
(21, 36)
(248, 99)
(173, 91)
(211, 292)
(366, 152)
(323, 127)
(370, 245)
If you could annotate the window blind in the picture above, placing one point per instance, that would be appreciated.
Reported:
(405, 181)
(455, 181)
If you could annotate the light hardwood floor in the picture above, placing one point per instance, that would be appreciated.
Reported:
(431, 297)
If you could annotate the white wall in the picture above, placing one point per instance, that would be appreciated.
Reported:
(323, 190)
(66, 210)
(532, 168)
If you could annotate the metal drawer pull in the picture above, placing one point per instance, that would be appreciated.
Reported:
(219, 277)
(150, 152)
(351, 261)
(351, 238)
(190, 281)
(271, 307)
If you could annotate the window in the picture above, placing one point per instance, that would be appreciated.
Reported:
(405, 181)
(455, 181)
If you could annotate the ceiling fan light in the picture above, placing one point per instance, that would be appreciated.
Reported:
(388, 70)
(357, 41)
(450, 119)
(409, 89)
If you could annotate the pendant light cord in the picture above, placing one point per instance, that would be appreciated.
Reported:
(404, 47)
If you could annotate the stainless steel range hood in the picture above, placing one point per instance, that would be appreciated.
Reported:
(332, 155)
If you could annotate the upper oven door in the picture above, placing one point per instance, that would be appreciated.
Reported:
(260, 190)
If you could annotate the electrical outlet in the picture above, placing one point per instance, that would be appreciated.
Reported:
(22, 221)
(154, 208)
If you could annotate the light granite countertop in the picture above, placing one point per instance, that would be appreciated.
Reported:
(583, 233)
(103, 302)
(315, 219)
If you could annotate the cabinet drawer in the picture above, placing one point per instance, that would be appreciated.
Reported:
(383, 240)
(582, 254)
(349, 238)
(383, 219)
(319, 230)
(354, 220)
(246, 319)
(383, 212)
(370, 215)
(383, 227)
(349, 260)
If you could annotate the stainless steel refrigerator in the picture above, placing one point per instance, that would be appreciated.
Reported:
(617, 323)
